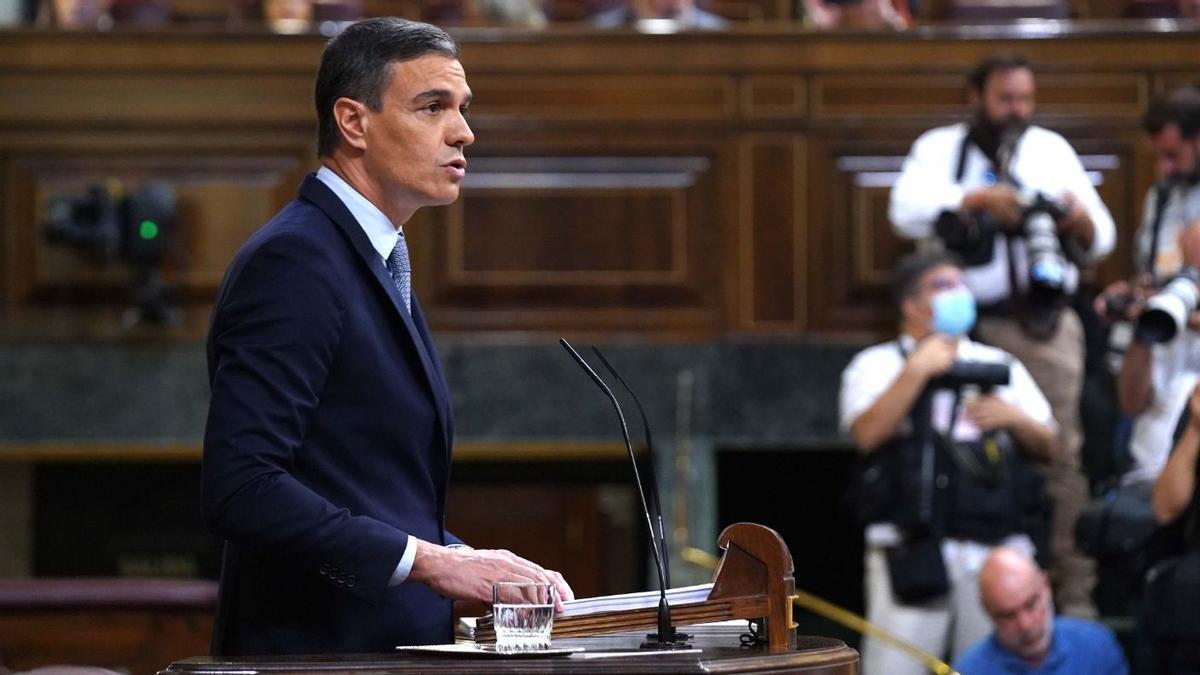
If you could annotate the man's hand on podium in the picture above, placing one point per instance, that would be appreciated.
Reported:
(467, 574)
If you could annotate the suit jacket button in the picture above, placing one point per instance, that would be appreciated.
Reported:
(324, 570)
(351, 582)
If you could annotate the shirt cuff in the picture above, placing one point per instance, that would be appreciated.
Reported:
(405, 565)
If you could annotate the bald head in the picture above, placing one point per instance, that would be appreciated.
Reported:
(1016, 594)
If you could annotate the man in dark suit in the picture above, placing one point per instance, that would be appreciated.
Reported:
(327, 449)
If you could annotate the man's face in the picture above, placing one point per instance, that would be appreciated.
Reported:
(1007, 97)
(1174, 156)
(414, 143)
(1024, 616)
(919, 307)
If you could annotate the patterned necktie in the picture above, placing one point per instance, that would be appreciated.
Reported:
(397, 264)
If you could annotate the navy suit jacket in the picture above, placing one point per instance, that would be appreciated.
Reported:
(327, 444)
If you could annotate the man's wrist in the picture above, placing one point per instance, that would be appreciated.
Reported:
(426, 558)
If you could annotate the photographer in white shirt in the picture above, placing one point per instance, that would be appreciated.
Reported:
(980, 185)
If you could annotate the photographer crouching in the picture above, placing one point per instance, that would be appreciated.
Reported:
(944, 425)
(1015, 203)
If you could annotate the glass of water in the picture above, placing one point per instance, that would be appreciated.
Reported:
(523, 614)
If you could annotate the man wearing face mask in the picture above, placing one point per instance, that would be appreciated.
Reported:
(1028, 637)
(1015, 203)
(886, 406)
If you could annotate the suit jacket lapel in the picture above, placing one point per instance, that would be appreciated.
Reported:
(318, 193)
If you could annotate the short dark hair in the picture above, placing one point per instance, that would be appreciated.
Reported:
(357, 64)
(907, 273)
(1180, 107)
(978, 77)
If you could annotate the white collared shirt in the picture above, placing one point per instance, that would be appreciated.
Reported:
(382, 233)
(1173, 368)
(1043, 161)
(1182, 209)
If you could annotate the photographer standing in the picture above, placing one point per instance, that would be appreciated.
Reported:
(1155, 380)
(942, 480)
(1014, 201)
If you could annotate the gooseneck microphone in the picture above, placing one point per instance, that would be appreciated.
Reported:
(666, 638)
(650, 485)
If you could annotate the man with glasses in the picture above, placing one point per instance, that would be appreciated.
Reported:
(885, 409)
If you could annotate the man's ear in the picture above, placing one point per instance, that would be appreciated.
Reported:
(350, 116)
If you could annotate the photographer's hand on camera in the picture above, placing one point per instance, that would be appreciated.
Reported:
(989, 412)
(1001, 201)
(933, 356)
(1122, 300)
(1076, 223)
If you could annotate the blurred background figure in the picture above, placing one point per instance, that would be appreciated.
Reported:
(857, 14)
(288, 16)
(684, 14)
(76, 14)
(514, 13)
(1028, 638)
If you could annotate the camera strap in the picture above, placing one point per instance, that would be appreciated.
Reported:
(921, 417)
(1161, 194)
(961, 167)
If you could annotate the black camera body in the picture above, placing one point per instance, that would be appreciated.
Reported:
(972, 237)
(986, 376)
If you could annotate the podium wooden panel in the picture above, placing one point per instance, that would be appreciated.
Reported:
(813, 656)
(753, 581)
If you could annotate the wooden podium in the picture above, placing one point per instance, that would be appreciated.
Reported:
(753, 581)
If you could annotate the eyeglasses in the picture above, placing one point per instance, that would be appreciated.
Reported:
(941, 283)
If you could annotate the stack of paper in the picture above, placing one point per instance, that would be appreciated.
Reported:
(640, 600)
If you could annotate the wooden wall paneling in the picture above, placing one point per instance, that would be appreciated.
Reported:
(137, 641)
(557, 525)
(154, 98)
(853, 245)
(1111, 162)
(898, 95)
(571, 92)
(773, 97)
(885, 96)
(1087, 94)
(613, 241)
(17, 241)
(591, 97)
(772, 242)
